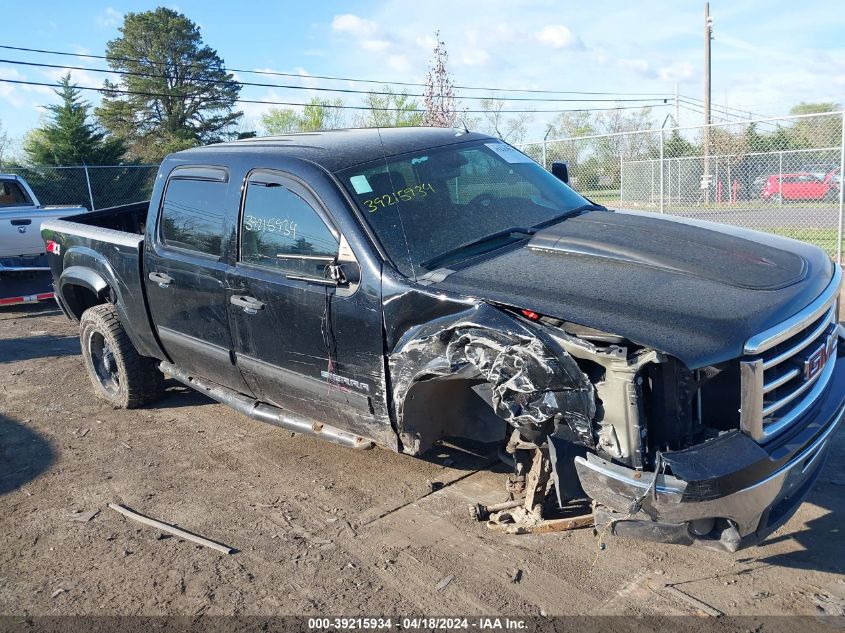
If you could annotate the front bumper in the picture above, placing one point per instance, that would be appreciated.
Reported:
(749, 489)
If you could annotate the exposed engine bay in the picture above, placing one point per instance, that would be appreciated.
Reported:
(564, 391)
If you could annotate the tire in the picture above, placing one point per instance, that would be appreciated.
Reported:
(776, 198)
(120, 375)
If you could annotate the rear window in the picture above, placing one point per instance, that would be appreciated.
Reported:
(192, 215)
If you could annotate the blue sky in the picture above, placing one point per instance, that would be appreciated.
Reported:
(767, 55)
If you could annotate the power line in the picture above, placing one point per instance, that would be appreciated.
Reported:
(655, 95)
(327, 105)
(739, 111)
(292, 87)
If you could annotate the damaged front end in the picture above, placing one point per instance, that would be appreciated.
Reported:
(658, 447)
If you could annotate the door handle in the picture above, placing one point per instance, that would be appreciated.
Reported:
(24, 222)
(250, 305)
(161, 279)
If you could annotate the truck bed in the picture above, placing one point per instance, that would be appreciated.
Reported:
(126, 218)
(100, 250)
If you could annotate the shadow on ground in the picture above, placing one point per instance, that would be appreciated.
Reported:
(178, 396)
(42, 346)
(24, 454)
(30, 311)
(822, 546)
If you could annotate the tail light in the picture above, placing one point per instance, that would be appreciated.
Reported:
(54, 247)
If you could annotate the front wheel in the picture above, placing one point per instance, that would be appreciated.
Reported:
(120, 375)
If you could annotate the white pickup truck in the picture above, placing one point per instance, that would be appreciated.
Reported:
(24, 273)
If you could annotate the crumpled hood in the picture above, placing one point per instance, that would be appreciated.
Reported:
(692, 289)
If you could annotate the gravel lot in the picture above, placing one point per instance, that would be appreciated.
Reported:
(320, 529)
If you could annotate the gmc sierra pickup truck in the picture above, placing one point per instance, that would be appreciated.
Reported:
(24, 273)
(399, 286)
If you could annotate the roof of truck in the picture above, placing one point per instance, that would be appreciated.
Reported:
(338, 149)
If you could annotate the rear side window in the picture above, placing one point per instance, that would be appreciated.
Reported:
(192, 215)
(280, 230)
(11, 194)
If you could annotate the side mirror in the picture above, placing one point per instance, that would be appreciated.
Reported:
(560, 170)
(344, 274)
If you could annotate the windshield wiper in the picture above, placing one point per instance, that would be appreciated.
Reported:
(437, 259)
(571, 212)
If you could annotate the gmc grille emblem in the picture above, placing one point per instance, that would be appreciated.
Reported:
(815, 362)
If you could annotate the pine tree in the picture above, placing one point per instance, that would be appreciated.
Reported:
(174, 90)
(68, 137)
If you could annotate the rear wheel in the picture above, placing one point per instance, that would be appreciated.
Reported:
(120, 375)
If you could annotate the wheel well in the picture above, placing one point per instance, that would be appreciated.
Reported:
(79, 298)
(448, 407)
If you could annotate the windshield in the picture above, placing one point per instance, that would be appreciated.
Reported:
(424, 205)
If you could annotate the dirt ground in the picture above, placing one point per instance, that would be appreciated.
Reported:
(321, 529)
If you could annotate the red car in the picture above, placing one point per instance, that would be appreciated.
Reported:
(800, 186)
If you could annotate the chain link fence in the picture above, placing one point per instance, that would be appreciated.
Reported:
(780, 175)
(92, 187)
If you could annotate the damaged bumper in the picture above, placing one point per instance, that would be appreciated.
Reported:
(734, 491)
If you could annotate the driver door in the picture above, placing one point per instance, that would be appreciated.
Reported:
(294, 332)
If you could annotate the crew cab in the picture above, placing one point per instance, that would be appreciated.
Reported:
(24, 273)
(394, 287)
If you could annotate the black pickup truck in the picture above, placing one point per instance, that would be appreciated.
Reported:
(399, 286)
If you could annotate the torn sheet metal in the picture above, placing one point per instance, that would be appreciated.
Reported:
(536, 385)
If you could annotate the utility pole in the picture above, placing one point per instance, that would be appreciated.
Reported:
(708, 35)
(677, 107)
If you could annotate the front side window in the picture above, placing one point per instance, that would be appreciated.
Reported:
(192, 215)
(423, 206)
(281, 231)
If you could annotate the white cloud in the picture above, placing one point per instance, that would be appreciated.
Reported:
(638, 65)
(426, 42)
(376, 46)
(679, 71)
(475, 57)
(78, 77)
(399, 63)
(351, 23)
(557, 36)
(109, 18)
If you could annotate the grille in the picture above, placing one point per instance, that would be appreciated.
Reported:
(787, 368)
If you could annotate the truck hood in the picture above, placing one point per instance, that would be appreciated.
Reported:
(692, 289)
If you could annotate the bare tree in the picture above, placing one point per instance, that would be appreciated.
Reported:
(496, 121)
(5, 145)
(439, 89)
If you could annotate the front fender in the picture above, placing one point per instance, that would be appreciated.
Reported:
(534, 386)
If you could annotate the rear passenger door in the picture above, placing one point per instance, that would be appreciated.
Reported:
(302, 343)
(185, 275)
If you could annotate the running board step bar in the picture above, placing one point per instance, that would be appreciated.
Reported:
(264, 412)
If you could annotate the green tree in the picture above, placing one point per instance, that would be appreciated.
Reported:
(280, 121)
(317, 114)
(179, 92)
(390, 109)
(571, 124)
(676, 146)
(321, 114)
(68, 137)
(816, 132)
